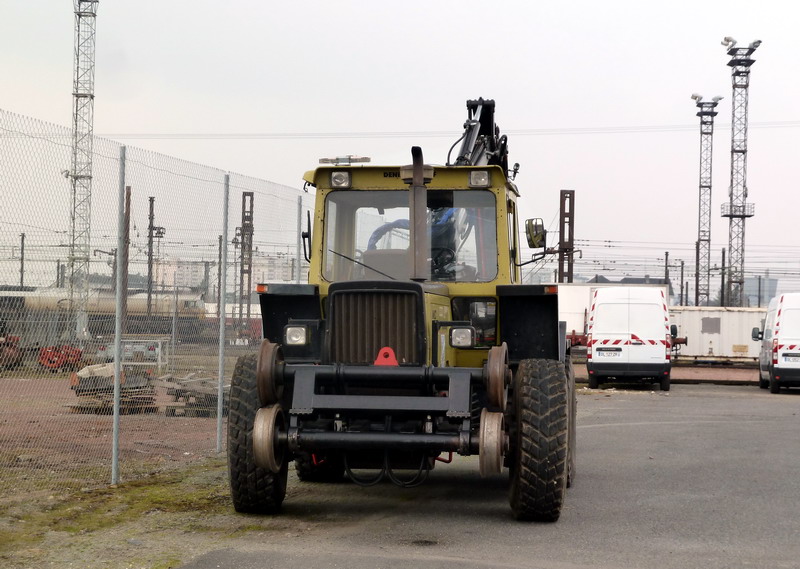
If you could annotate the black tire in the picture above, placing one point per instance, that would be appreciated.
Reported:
(329, 468)
(594, 383)
(762, 383)
(774, 386)
(539, 465)
(573, 424)
(665, 382)
(254, 490)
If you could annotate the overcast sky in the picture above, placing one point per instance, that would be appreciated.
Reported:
(594, 96)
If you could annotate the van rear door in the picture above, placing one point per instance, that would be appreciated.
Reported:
(610, 336)
(647, 324)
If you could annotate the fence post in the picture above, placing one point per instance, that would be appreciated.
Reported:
(118, 318)
(222, 311)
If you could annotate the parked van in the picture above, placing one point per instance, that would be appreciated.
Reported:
(630, 337)
(779, 357)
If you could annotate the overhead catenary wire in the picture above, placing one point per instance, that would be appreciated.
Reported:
(555, 131)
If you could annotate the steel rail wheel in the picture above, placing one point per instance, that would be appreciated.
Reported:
(270, 386)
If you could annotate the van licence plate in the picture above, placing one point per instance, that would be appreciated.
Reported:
(609, 354)
(791, 359)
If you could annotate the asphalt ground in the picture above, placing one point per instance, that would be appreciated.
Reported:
(704, 476)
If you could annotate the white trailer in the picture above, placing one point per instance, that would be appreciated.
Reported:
(575, 301)
(717, 335)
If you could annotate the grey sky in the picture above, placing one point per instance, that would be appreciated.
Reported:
(567, 76)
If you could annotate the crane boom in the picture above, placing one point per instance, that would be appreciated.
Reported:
(482, 143)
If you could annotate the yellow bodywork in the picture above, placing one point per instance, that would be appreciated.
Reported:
(438, 295)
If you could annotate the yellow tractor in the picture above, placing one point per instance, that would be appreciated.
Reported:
(413, 340)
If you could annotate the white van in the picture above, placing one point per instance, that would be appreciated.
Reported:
(779, 357)
(630, 337)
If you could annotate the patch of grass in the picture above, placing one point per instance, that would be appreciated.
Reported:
(199, 489)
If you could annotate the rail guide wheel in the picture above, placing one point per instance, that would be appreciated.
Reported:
(497, 375)
(268, 373)
(492, 443)
(268, 452)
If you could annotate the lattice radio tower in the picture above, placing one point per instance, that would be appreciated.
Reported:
(706, 113)
(737, 209)
(81, 171)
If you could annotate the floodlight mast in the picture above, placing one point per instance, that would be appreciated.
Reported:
(81, 169)
(706, 113)
(737, 209)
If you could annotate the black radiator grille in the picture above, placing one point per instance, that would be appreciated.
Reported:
(366, 321)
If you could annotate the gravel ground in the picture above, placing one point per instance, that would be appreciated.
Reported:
(56, 508)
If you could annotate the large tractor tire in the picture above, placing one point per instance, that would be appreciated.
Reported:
(573, 423)
(541, 440)
(254, 490)
(317, 468)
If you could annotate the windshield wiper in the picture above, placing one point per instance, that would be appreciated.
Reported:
(362, 264)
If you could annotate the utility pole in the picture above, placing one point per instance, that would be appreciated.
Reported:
(723, 288)
(246, 262)
(566, 245)
(157, 233)
(702, 277)
(236, 301)
(219, 275)
(666, 267)
(22, 261)
(150, 228)
(759, 291)
(682, 297)
(737, 209)
(206, 279)
(125, 259)
(113, 255)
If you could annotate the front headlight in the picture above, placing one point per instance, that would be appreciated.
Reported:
(462, 337)
(481, 312)
(295, 335)
(340, 179)
(479, 179)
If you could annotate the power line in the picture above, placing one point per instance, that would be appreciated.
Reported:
(634, 129)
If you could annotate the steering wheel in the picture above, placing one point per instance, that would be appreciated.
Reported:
(441, 257)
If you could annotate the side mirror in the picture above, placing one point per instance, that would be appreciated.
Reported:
(535, 233)
(673, 330)
(757, 335)
(306, 237)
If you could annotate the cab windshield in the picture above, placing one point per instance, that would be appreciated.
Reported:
(367, 235)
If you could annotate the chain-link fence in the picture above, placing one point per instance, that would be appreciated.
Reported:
(154, 227)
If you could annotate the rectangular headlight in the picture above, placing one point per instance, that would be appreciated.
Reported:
(295, 335)
(340, 179)
(462, 336)
(479, 179)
